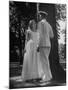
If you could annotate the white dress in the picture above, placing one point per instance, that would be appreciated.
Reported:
(32, 67)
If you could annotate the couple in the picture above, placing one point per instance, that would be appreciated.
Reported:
(37, 49)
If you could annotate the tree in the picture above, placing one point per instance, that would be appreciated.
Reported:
(13, 31)
(19, 15)
(57, 71)
(16, 34)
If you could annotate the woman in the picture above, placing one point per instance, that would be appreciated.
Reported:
(32, 68)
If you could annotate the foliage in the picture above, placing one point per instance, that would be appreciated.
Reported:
(62, 52)
(13, 16)
(61, 11)
(61, 16)
(16, 28)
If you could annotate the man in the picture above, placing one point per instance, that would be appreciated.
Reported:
(45, 30)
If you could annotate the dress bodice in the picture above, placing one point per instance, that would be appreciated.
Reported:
(35, 38)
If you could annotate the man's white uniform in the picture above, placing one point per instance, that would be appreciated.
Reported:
(45, 30)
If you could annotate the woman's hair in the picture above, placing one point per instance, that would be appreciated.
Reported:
(31, 23)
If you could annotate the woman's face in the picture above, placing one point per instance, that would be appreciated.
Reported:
(33, 25)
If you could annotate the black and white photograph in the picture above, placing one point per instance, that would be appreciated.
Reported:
(37, 44)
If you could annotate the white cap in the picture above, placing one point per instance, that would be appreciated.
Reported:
(42, 12)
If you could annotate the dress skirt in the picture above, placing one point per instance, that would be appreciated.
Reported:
(32, 68)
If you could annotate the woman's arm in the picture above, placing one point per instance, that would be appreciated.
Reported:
(28, 36)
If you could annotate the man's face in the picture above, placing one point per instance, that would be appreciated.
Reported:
(40, 17)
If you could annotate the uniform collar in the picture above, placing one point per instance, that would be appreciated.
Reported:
(43, 20)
